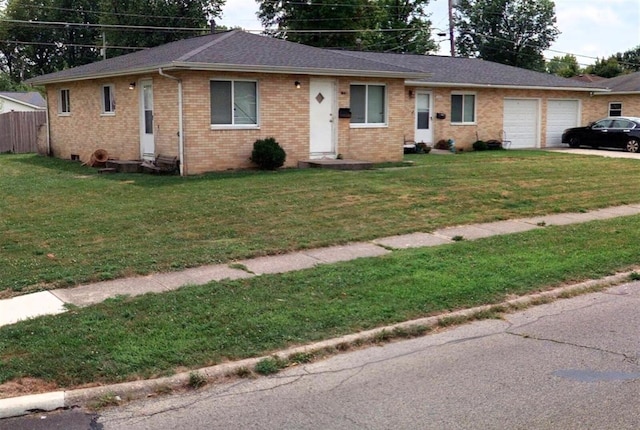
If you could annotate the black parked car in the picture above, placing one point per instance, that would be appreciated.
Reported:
(616, 132)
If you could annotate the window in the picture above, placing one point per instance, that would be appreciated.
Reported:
(463, 108)
(63, 102)
(234, 103)
(623, 123)
(615, 109)
(368, 104)
(108, 99)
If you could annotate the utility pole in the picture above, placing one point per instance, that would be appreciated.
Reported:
(451, 37)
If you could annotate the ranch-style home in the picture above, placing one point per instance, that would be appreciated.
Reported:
(206, 100)
(622, 99)
(467, 99)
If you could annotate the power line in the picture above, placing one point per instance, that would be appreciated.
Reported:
(100, 26)
(78, 45)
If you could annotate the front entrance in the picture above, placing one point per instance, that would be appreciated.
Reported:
(322, 140)
(424, 130)
(147, 142)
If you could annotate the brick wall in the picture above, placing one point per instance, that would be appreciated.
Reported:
(597, 107)
(85, 129)
(283, 114)
(490, 112)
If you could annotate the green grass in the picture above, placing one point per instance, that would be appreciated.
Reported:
(157, 334)
(63, 224)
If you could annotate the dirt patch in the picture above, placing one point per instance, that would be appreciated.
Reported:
(25, 386)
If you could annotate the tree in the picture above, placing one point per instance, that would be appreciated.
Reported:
(607, 68)
(188, 14)
(565, 66)
(375, 25)
(403, 27)
(513, 32)
(44, 36)
(630, 60)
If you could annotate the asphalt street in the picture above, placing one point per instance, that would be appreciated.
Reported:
(571, 364)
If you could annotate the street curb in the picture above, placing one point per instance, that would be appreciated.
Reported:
(128, 391)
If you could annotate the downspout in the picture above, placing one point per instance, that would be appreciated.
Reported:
(48, 128)
(180, 125)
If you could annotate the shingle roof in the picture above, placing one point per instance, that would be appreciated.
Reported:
(474, 72)
(233, 50)
(624, 83)
(32, 98)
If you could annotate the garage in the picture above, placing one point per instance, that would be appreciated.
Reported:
(561, 114)
(521, 119)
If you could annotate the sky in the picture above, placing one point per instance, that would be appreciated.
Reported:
(589, 29)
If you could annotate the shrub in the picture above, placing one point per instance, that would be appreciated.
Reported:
(479, 145)
(268, 154)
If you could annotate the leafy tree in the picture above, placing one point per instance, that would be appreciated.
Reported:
(403, 27)
(169, 13)
(31, 46)
(607, 68)
(513, 32)
(375, 25)
(285, 19)
(565, 66)
(630, 60)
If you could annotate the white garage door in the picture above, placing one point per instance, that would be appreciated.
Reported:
(521, 122)
(561, 114)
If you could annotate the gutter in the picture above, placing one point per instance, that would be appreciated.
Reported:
(502, 86)
(181, 65)
(180, 124)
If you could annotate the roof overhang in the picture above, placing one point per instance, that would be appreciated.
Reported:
(620, 93)
(23, 103)
(181, 66)
(413, 83)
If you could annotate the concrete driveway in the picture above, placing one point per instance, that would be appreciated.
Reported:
(610, 152)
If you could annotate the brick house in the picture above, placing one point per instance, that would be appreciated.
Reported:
(467, 99)
(207, 99)
(622, 99)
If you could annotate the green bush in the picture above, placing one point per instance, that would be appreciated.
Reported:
(480, 145)
(268, 154)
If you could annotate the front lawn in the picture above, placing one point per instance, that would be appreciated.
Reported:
(63, 224)
(157, 334)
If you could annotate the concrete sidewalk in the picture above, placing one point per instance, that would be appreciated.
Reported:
(54, 301)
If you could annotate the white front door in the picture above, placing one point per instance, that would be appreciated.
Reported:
(322, 114)
(424, 130)
(147, 143)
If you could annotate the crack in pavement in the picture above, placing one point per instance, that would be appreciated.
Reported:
(633, 359)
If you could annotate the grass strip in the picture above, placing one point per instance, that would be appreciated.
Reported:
(158, 334)
(64, 224)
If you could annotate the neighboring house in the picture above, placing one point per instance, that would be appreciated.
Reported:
(623, 98)
(21, 102)
(468, 99)
(209, 98)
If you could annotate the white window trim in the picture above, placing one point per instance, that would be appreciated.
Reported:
(475, 107)
(385, 123)
(112, 94)
(614, 103)
(60, 111)
(255, 126)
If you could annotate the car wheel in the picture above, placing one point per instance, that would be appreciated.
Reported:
(574, 142)
(632, 145)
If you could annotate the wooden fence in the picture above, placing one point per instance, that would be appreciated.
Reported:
(19, 131)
